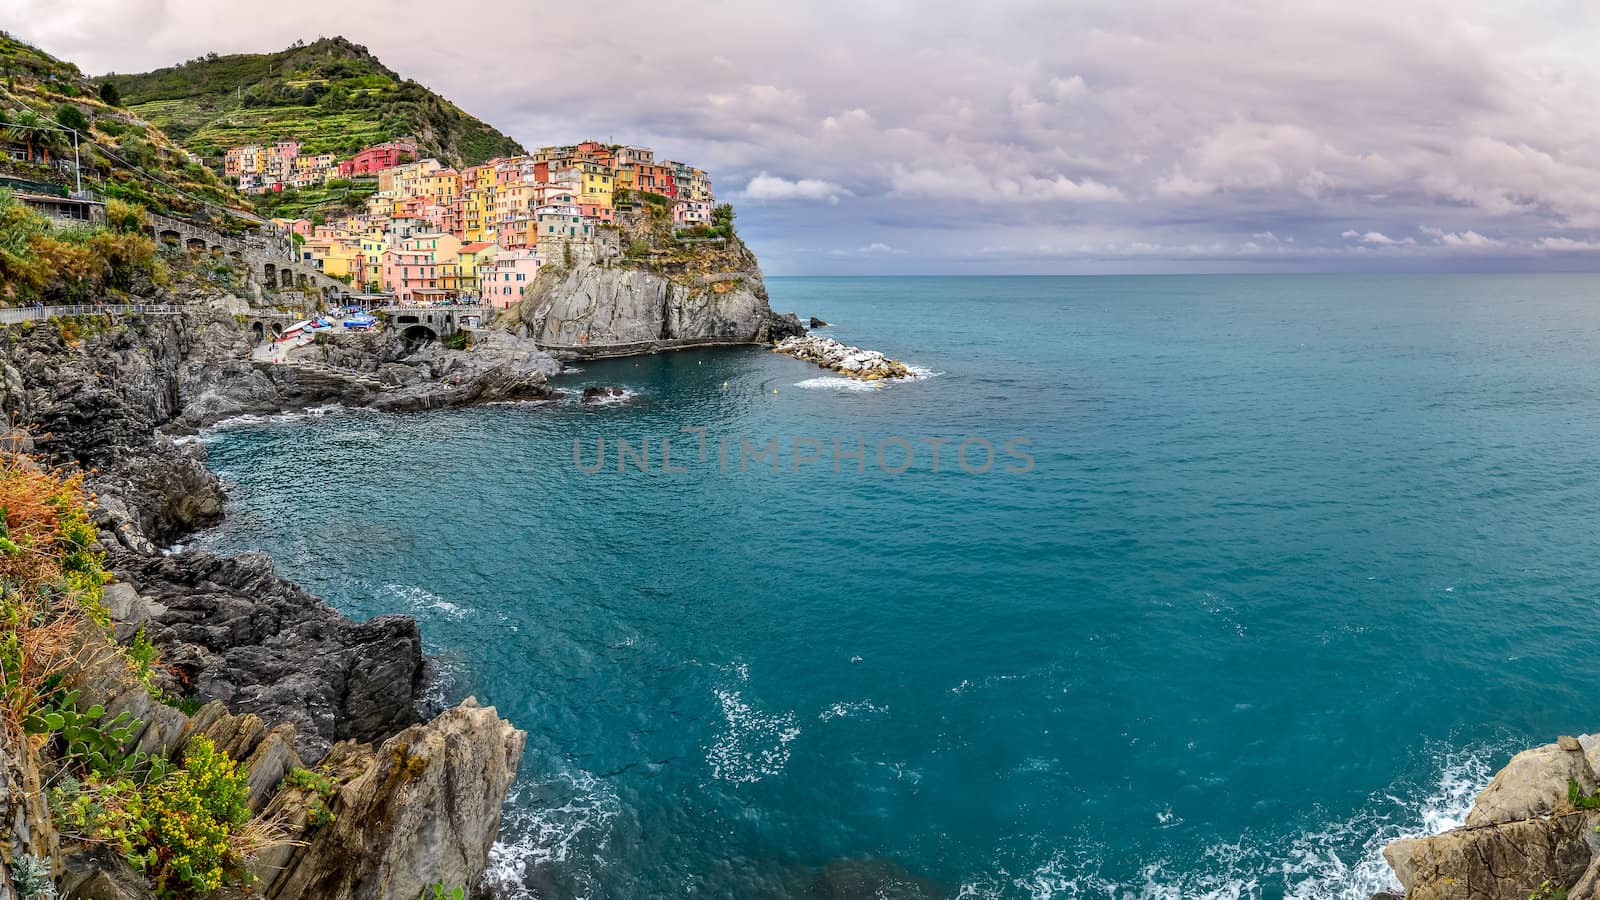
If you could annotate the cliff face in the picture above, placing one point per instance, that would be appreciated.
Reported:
(92, 395)
(1530, 834)
(592, 308)
(287, 680)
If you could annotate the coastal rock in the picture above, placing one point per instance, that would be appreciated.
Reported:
(425, 810)
(499, 367)
(864, 365)
(1495, 862)
(594, 308)
(818, 323)
(262, 645)
(104, 395)
(600, 393)
(1533, 783)
(1522, 835)
(100, 875)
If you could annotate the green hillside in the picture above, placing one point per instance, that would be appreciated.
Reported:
(121, 154)
(332, 96)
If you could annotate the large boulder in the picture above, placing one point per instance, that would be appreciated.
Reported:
(499, 367)
(424, 810)
(1505, 861)
(1533, 784)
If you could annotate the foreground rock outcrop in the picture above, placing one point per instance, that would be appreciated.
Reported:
(863, 365)
(423, 810)
(1524, 837)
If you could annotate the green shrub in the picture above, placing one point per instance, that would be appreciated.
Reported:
(68, 115)
(179, 827)
(86, 738)
(30, 875)
(1579, 799)
(122, 216)
(194, 813)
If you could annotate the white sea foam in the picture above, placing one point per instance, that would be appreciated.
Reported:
(1338, 860)
(562, 821)
(574, 397)
(254, 420)
(437, 692)
(752, 744)
(1315, 871)
(837, 383)
(423, 601)
(858, 709)
(843, 383)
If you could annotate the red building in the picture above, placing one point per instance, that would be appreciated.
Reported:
(378, 157)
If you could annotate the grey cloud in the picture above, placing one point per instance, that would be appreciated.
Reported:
(1074, 137)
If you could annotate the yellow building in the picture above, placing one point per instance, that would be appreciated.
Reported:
(596, 184)
(337, 258)
(373, 244)
(473, 257)
(478, 216)
(441, 187)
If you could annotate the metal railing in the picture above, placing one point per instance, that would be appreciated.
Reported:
(13, 315)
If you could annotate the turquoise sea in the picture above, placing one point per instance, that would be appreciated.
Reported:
(1299, 562)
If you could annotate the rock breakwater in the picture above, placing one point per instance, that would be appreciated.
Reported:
(863, 365)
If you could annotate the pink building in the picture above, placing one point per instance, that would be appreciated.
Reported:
(602, 215)
(513, 271)
(690, 213)
(405, 272)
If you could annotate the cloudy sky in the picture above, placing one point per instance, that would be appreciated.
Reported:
(911, 136)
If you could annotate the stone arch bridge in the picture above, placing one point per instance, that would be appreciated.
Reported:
(419, 324)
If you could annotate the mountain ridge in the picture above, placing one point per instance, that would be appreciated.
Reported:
(333, 95)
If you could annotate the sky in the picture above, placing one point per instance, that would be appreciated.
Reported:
(1011, 136)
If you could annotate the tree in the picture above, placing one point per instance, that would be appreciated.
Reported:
(52, 142)
(68, 115)
(109, 95)
(23, 129)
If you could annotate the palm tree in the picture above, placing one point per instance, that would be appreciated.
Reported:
(19, 130)
(53, 141)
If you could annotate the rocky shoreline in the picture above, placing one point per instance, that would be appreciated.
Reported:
(854, 362)
(281, 680)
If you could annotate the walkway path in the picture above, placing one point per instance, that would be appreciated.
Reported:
(13, 315)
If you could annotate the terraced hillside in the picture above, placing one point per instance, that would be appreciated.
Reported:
(122, 155)
(332, 95)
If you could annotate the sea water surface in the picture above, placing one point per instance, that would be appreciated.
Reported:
(1298, 563)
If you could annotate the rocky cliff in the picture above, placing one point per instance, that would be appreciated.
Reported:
(281, 679)
(1531, 835)
(617, 306)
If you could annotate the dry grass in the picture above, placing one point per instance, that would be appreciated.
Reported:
(49, 581)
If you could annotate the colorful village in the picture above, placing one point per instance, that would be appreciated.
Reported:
(434, 234)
